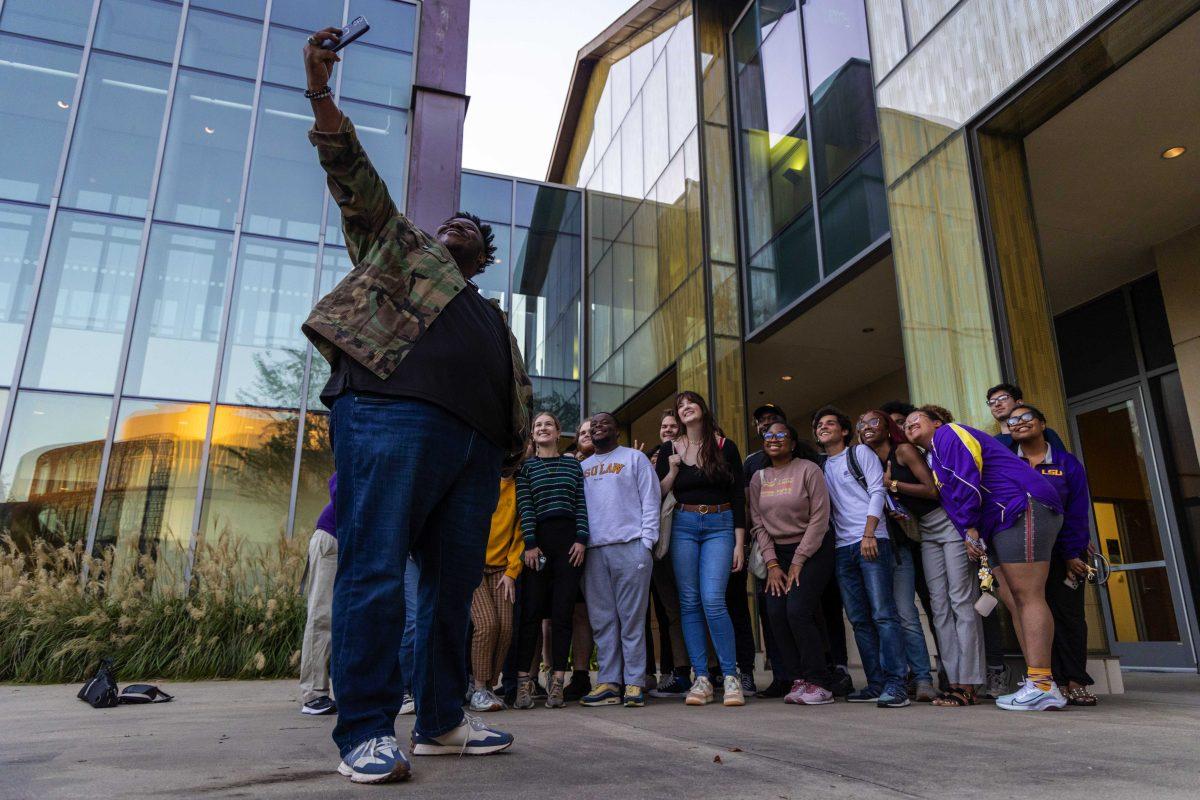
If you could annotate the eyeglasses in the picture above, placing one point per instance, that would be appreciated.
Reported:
(774, 437)
(998, 399)
(1019, 418)
(912, 426)
(873, 422)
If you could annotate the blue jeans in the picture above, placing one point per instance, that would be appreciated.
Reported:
(904, 587)
(869, 599)
(412, 478)
(702, 555)
(408, 645)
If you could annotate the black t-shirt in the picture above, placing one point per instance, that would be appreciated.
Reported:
(693, 488)
(462, 363)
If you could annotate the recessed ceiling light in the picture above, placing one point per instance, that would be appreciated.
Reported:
(1174, 152)
(63, 104)
(868, 330)
(785, 377)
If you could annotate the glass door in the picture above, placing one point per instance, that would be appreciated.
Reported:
(1145, 615)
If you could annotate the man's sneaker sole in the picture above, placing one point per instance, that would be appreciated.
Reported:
(607, 701)
(401, 772)
(325, 712)
(902, 702)
(1045, 704)
(457, 750)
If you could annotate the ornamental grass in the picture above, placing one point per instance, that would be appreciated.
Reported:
(240, 615)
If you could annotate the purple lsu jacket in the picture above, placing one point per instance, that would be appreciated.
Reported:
(1066, 474)
(983, 484)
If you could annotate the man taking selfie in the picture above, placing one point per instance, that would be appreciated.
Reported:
(428, 397)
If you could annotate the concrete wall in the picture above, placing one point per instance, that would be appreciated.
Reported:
(1178, 262)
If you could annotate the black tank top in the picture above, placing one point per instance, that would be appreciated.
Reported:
(919, 506)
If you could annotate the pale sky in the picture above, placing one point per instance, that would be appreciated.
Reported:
(519, 63)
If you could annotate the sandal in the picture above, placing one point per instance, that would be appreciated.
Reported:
(955, 698)
(1081, 697)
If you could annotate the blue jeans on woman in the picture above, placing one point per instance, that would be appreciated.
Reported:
(869, 598)
(904, 586)
(412, 478)
(702, 556)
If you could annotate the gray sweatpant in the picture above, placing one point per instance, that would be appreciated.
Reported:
(616, 582)
(953, 589)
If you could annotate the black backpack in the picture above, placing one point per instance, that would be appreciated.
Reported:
(101, 689)
(856, 470)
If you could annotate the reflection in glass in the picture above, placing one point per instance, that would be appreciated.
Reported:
(50, 466)
(273, 296)
(783, 270)
(335, 265)
(307, 15)
(560, 397)
(655, 132)
(80, 318)
(681, 84)
(21, 230)
(249, 479)
(384, 135)
(174, 348)
(206, 150)
(286, 187)
(150, 487)
(116, 136)
(854, 211)
(316, 467)
(488, 198)
(221, 44)
(282, 64)
(493, 283)
(60, 20)
(247, 8)
(146, 28)
(393, 24)
(377, 75)
(37, 86)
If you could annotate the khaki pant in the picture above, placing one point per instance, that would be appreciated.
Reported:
(492, 615)
(314, 653)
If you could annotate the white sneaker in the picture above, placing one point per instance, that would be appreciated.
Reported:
(701, 693)
(484, 700)
(733, 691)
(408, 705)
(1030, 698)
(470, 738)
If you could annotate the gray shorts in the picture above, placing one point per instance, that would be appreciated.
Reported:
(1029, 539)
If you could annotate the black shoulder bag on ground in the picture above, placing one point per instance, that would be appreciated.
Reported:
(139, 693)
(101, 689)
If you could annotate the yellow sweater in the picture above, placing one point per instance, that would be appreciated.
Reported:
(505, 545)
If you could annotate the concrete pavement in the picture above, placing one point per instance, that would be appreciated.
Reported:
(248, 739)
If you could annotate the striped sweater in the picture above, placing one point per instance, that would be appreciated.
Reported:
(549, 488)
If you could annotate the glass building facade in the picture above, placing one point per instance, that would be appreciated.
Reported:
(164, 230)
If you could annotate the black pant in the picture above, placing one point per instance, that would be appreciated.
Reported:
(1068, 655)
(738, 604)
(550, 592)
(993, 641)
(833, 624)
(795, 618)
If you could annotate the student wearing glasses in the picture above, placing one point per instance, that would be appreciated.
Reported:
(1069, 567)
(1011, 514)
(1002, 399)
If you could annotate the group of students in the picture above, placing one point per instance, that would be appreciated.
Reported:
(902, 506)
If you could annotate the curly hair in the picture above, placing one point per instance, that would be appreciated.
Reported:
(937, 413)
(485, 230)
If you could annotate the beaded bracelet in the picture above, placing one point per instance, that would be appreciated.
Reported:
(318, 94)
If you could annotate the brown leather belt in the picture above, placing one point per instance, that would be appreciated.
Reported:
(706, 509)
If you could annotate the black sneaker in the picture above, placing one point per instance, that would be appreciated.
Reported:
(748, 686)
(776, 689)
(676, 687)
(319, 707)
(843, 684)
(579, 687)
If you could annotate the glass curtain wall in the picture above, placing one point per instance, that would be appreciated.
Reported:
(641, 168)
(537, 277)
(164, 229)
(809, 172)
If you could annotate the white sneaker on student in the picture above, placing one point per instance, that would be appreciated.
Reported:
(1030, 698)
(701, 692)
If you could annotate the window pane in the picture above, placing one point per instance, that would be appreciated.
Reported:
(380, 76)
(783, 270)
(37, 86)
(272, 297)
(247, 8)
(316, 466)
(249, 478)
(21, 230)
(60, 20)
(80, 318)
(283, 197)
(854, 212)
(1154, 332)
(393, 24)
(206, 150)
(384, 135)
(559, 397)
(174, 349)
(116, 136)
(487, 198)
(283, 64)
(335, 265)
(221, 44)
(1095, 345)
(631, 164)
(681, 83)
(655, 132)
(51, 464)
(308, 15)
(150, 488)
(144, 28)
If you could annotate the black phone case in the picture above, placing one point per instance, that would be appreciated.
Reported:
(357, 27)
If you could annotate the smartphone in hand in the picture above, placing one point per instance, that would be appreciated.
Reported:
(357, 27)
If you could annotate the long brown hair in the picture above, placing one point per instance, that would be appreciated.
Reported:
(713, 464)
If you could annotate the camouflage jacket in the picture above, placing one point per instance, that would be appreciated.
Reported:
(401, 280)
